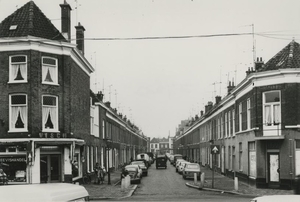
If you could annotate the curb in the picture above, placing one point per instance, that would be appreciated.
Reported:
(217, 190)
(132, 190)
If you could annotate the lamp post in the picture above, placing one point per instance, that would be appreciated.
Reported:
(108, 147)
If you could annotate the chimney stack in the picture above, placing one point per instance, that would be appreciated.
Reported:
(80, 37)
(107, 104)
(201, 112)
(218, 99)
(100, 96)
(66, 20)
(230, 87)
(208, 106)
(259, 64)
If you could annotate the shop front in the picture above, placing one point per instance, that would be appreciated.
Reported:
(36, 160)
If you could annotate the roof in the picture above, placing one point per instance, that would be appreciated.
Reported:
(29, 21)
(288, 57)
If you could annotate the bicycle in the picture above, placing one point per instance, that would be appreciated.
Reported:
(87, 179)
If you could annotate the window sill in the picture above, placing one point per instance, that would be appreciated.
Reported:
(50, 131)
(245, 131)
(51, 84)
(17, 82)
(18, 131)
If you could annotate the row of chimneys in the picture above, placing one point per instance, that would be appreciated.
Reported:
(66, 26)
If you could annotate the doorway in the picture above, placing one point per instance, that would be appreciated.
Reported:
(50, 168)
(273, 168)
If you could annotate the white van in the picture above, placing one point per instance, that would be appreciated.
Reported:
(44, 192)
(145, 157)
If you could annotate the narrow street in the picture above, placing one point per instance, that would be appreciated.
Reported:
(167, 185)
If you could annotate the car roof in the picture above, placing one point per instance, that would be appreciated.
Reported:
(277, 198)
(43, 192)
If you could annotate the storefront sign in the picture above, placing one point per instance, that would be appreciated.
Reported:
(53, 135)
(12, 159)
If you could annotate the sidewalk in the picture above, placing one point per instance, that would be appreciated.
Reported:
(113, 191)
(226, 184)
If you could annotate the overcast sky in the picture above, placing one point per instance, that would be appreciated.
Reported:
(157, 83)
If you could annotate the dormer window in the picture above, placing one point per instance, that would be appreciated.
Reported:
(18, 69)
(49, 70)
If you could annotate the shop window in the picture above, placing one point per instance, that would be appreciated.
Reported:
(49, 70)
(18, 69)
(12, 149)
(14, 166)
(50, 113)
(18, 113)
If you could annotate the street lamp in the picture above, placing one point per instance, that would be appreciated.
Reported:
(108, 142)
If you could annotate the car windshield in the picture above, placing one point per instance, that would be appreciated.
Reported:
(131, 169)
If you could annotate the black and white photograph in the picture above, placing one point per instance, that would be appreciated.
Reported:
(150, 100)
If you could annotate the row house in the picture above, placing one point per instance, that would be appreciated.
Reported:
(256, 125)
(161, 145)
(120, 139)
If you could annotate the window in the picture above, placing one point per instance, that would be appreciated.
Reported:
(88, 158)
(103, 129)
(229, 158)
(248, 114)
(18, 113)
(233, 158)
(229, 124)
(226, 124)
(49, 70)
(50, 113)
(233, 122)
(252, 159)
(272, 113)
(240, 157)
(240, 117)
(18, 69)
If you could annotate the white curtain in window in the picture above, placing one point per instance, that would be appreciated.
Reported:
(23, 70)
(276, 114)
(268, 117)
(14, 71)
(52, 72)
(23, 115)
(53, 117)
(14, 116)
(46, 111)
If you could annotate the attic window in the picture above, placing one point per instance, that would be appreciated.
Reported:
(13, 27)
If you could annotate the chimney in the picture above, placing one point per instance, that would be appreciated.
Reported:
(259, 64)
(66, 20)
(230, 87)
(201, 112)
(208, 106)
(100, 96)
(80, 37)
(107, 104)
(218, 99)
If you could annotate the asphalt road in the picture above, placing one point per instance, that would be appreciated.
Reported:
(167, 185)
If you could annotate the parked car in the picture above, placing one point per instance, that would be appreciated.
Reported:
(178, 163)
(44, 192)
(181, 166)
(134, 174)
(142, 165)
(277, 198)
(161, 161)
(138, 167)
(190, 169)
(177, 156)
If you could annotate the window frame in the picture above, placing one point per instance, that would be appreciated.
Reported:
(13, 129)
(248, 113)
(55, 77)
(57, 115)
(11, 80)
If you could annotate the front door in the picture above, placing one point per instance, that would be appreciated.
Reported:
(50, 168)
(273, 168)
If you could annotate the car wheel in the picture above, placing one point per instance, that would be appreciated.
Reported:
(183, 176)
(176, 170)
(139, 181)
(146, 174)
(166, 167)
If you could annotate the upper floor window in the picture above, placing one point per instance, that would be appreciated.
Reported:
(272, 113)
(240, 116)
(248, 113)
(50, 113)
(18, 112)
(49, 70)
(18, 69)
